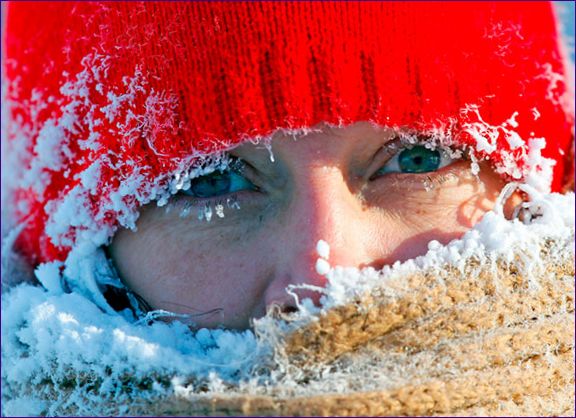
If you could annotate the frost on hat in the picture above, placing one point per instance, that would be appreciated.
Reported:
(114, 105)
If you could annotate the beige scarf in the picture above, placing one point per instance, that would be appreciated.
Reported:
(493, 339)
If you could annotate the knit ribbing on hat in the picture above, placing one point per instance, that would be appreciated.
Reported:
(114, 105)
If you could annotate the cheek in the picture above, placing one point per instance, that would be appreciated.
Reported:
(413, 214)
(210, 276)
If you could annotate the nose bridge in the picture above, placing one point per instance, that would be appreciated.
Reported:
(321, 201)
(323, 208)
(312, 214)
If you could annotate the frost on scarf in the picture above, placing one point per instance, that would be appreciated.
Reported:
(63, 354)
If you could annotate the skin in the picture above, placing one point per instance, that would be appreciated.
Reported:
(321, 186)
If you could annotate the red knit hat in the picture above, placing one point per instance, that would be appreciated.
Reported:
(112, 104)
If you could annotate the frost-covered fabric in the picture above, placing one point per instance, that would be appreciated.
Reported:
(481, 326)
(109, 106)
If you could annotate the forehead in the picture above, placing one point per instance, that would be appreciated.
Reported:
(360, 138)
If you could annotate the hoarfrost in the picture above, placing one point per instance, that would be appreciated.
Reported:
(208, 213)
(322, 267)
(531, 166)
(268, 146)
(219, 209)
(323, 249)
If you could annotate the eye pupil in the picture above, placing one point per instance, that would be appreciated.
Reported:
(418, 159)
(217, 183)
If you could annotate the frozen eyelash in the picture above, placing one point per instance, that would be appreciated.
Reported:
(207, 210)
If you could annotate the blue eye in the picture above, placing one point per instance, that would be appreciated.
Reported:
(218, 183)
(417, 159)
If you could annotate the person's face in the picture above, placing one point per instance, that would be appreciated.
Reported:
(354, 188)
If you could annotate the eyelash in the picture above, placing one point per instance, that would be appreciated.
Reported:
(188, 204)
(198, 206)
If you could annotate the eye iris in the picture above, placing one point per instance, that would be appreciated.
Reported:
(215, 184)
(418, 159)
